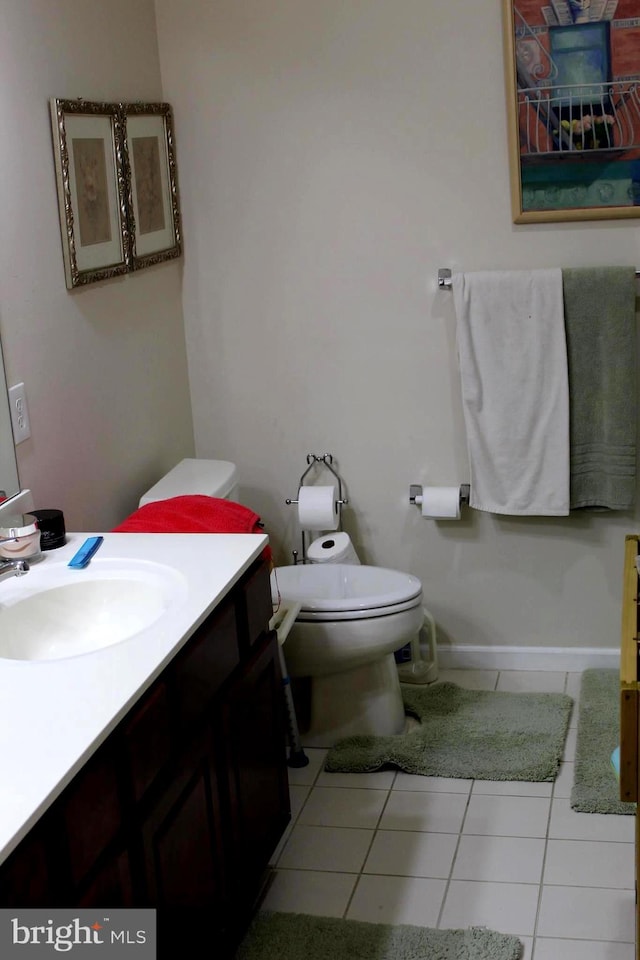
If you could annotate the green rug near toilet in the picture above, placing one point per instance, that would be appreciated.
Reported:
(470, 734)
(595, 785)
(296, 936)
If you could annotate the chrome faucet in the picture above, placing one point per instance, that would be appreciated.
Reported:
(12, 568)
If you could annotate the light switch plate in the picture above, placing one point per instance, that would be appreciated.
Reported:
(19, 413)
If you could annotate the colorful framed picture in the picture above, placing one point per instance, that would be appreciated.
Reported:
(154, 213)
(572, 72)
(88, 142)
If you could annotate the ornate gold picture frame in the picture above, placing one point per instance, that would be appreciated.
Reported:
(117, 187)
(88, 145)
(154, 212)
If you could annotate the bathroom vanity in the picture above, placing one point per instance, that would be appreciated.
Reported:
(152, 772)
(630, 697)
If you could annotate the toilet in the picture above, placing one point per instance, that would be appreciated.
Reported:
(212, 478)
(352, 618)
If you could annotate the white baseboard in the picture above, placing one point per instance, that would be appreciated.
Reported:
(574, 659)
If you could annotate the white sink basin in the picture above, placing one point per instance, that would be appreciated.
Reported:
(55, 612)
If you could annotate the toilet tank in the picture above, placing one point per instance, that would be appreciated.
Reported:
(213, 478)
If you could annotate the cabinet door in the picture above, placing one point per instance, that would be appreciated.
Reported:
(252, 738)
(110, 884)
(24, 877)
(204, 664)
(255, 608)
(181, 836)
(90, 813)
(147, 739)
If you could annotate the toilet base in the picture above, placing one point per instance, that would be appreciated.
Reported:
(365, 700)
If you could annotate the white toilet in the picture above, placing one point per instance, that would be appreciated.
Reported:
(351, 620)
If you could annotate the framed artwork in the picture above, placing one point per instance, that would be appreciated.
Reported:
(88, 142)
(572, 71)
(154, 215)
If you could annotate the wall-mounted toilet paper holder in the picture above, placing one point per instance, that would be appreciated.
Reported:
(325, 460)
(415, 490)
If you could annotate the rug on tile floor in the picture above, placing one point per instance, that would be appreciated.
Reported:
(595, 785)
(299, 936)
(471, 734)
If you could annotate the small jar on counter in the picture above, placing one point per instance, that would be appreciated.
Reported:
(20, 538)
(52, 529)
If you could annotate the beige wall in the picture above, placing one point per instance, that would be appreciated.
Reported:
(104, 367)
(333, 156)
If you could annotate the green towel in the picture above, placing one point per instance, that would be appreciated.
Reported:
(599, 313)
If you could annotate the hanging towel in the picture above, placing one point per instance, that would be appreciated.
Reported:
(513, 368)
(193, 513)
(599, 309)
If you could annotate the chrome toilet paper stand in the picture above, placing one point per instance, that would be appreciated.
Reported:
(325, 460)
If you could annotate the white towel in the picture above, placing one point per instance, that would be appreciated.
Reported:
(513, 366)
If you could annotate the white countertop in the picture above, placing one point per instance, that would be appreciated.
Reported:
(53, 714)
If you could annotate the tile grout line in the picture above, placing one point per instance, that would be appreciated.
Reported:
(546, 840)
(454, 858)
(294, 820)
(541, 884)
(373, 837)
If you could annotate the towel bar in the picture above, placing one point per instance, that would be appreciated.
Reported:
(445, 281)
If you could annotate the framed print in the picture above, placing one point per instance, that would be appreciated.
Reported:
(154, 215)
(88, 145)
(572, 72)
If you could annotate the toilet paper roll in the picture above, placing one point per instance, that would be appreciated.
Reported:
(318, 508)
(440, 502)
(333, 548)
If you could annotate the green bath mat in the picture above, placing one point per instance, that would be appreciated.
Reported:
(472, 734)
(595, 785)
(298, 936)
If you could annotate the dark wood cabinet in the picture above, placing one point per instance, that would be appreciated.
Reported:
(182, 836)
(183, 804)
(25, 876)
(109, 883)
(91, 814)
(251, 737)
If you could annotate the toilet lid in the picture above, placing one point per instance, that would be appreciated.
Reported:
(342, 587)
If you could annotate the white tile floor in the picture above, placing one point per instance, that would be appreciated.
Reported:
(437, 852)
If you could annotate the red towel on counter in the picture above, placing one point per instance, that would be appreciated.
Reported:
(195, 513)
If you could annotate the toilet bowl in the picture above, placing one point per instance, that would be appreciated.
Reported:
(351, 620)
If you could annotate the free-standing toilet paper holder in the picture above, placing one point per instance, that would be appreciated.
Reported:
(326, 460)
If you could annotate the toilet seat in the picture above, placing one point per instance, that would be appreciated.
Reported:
(345, 591)
(315, 616)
